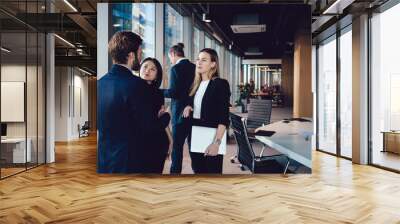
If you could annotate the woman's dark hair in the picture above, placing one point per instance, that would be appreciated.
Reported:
(121, 44)
(157, 82)
(178, 50)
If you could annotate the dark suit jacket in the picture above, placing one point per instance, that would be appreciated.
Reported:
(215, 103)
(124, 117)
(181, 79)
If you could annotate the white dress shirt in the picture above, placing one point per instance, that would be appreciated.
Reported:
(198, 98)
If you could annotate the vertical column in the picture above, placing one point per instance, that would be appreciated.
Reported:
(50, 98)
(287, 79)
(360, 90)
(314, 93)
(103, 18)
(201, 38)
(187, 36)
(160, 32)
(302, 93)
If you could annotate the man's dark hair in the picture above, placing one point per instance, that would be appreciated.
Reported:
(178, 50)
(121, 44)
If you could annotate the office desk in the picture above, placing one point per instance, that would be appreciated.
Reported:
(13, 150)
(292, 139)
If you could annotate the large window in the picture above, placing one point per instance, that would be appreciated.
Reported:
(221, 55)
(196, 43)
(207, 41)
(173, 26)
(385, 88)
(139, 18)
(346, 93)
(327, 95)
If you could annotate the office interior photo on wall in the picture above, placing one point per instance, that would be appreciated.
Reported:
(180, 92)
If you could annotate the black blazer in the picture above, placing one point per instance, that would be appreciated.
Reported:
(181, 79)
(124, 119)
(215, 103)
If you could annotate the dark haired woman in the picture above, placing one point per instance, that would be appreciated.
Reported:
(209, 103)
(160, 141)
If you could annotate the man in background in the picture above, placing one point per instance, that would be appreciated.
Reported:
(181, 79)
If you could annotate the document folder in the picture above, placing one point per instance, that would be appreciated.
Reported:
(203, 136)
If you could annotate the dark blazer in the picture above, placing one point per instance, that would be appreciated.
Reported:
(181, 79)
(215, 103)
(123, 118)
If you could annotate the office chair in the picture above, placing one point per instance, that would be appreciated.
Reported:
(259, 115)
(84, 130)
(246, 156)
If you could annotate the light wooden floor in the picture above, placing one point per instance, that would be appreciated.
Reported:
(70, 191)
(387, 159)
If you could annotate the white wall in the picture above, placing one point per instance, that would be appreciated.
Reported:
(33, 126)
(12, 73)
(70, 83)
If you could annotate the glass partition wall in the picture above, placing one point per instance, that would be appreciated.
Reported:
(22, 77)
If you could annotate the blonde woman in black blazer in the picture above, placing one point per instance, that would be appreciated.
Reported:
(209, 104)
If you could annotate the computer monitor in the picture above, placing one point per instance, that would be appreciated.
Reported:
(3, 129)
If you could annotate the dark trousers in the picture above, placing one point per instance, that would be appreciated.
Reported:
(179, 135)
(206, 164)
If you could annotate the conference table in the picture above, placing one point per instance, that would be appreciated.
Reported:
(292, 138)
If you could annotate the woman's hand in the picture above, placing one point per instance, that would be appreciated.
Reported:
(170, 150)
(161, 111)
(187, 111)
(212, 150)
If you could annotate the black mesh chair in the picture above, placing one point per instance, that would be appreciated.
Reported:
(246, 156)
(84, 129)
(259, 115)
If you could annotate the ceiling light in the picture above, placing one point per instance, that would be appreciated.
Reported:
(84, 71)
(338, 6)
(64, 40)
(217, 37)
(206, 18)
(5, 50)
(117, 25)
(253, 53)
(70, 5)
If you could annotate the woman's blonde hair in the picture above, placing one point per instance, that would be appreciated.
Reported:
(213, 73)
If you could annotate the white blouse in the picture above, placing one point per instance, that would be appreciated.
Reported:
(198, 98)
